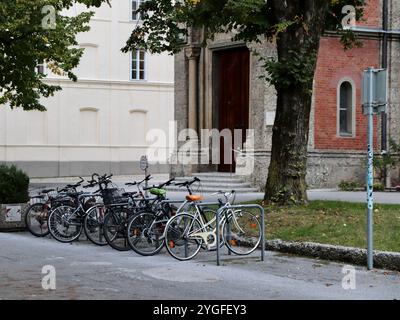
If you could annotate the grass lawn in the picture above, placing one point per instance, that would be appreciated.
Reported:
(333, 222)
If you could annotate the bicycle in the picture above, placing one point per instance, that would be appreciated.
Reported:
(66, 222)
(120, 206)
(36, 217)
(186, 233)
(145, 230)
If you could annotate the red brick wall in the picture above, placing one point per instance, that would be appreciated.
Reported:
(372, 14)
(333, 65)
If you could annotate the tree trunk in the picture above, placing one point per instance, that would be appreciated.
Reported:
(286, 182)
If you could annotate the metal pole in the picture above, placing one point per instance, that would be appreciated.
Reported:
(146, 183)
(217, 226)
(370, 174)
(229, 236)
(186, 241)
(262, 233)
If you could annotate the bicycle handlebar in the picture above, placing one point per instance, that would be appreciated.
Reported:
(188, 182)
(167, 183)
(149, 177)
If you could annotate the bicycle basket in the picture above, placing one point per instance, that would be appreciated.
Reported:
(113, 196)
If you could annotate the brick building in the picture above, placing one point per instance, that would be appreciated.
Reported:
(220, 84)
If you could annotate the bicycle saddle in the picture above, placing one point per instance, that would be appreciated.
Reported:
(74, 194)
(47, 190)
(194, 197)
(37, 197)
(127, 194)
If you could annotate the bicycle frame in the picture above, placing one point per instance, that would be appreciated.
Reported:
(204, 232)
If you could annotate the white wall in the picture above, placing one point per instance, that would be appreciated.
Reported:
(117, 108)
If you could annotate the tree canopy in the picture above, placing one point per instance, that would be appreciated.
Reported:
(165, 21)
(24, 43)
(296, 27)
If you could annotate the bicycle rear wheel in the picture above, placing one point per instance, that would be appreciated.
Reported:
(115, 225)
(179, 239)
(94, 225)
(145, 233)
(36, 219)
(65, 225)
(242, 232)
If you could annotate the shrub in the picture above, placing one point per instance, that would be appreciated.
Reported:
(14, 185)
(348, 185)
(379, 186)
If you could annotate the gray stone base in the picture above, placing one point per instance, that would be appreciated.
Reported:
(382, 259)
(12, 225)
(325, 169)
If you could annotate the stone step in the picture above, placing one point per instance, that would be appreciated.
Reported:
(230, 184)
(211, 179)
(214, 174)
(216, 181)
(215, 189)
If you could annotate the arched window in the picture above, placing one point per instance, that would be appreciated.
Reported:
(88, 126)
(346, 108)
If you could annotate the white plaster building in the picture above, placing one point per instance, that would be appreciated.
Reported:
(100, 122)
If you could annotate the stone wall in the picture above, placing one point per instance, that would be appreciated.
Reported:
(325, 169)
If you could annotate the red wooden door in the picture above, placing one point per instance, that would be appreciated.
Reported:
(233, 99)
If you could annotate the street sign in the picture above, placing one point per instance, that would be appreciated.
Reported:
(374, 90)
(144, 163)
(374, 98)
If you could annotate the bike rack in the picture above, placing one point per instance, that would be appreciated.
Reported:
(243, 206)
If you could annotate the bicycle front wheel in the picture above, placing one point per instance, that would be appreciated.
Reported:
(64, 224)
(115, 224)
(180, 236)
(242, 232)
(94, 224)
(36, 219)
(145, 233)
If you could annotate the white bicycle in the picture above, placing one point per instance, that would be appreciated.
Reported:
(186, 233)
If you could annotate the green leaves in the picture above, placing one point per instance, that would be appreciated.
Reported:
(24, 42)
(297, 69)
(14, 185)
(164, 24)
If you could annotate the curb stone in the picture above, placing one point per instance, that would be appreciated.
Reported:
(382, 259)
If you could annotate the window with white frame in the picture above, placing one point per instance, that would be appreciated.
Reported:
(346, 108)
(138, 70)
(135, 6)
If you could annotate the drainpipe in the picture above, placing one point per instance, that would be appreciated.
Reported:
(384, 64)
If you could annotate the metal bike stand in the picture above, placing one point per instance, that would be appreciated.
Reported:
(243, 206)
